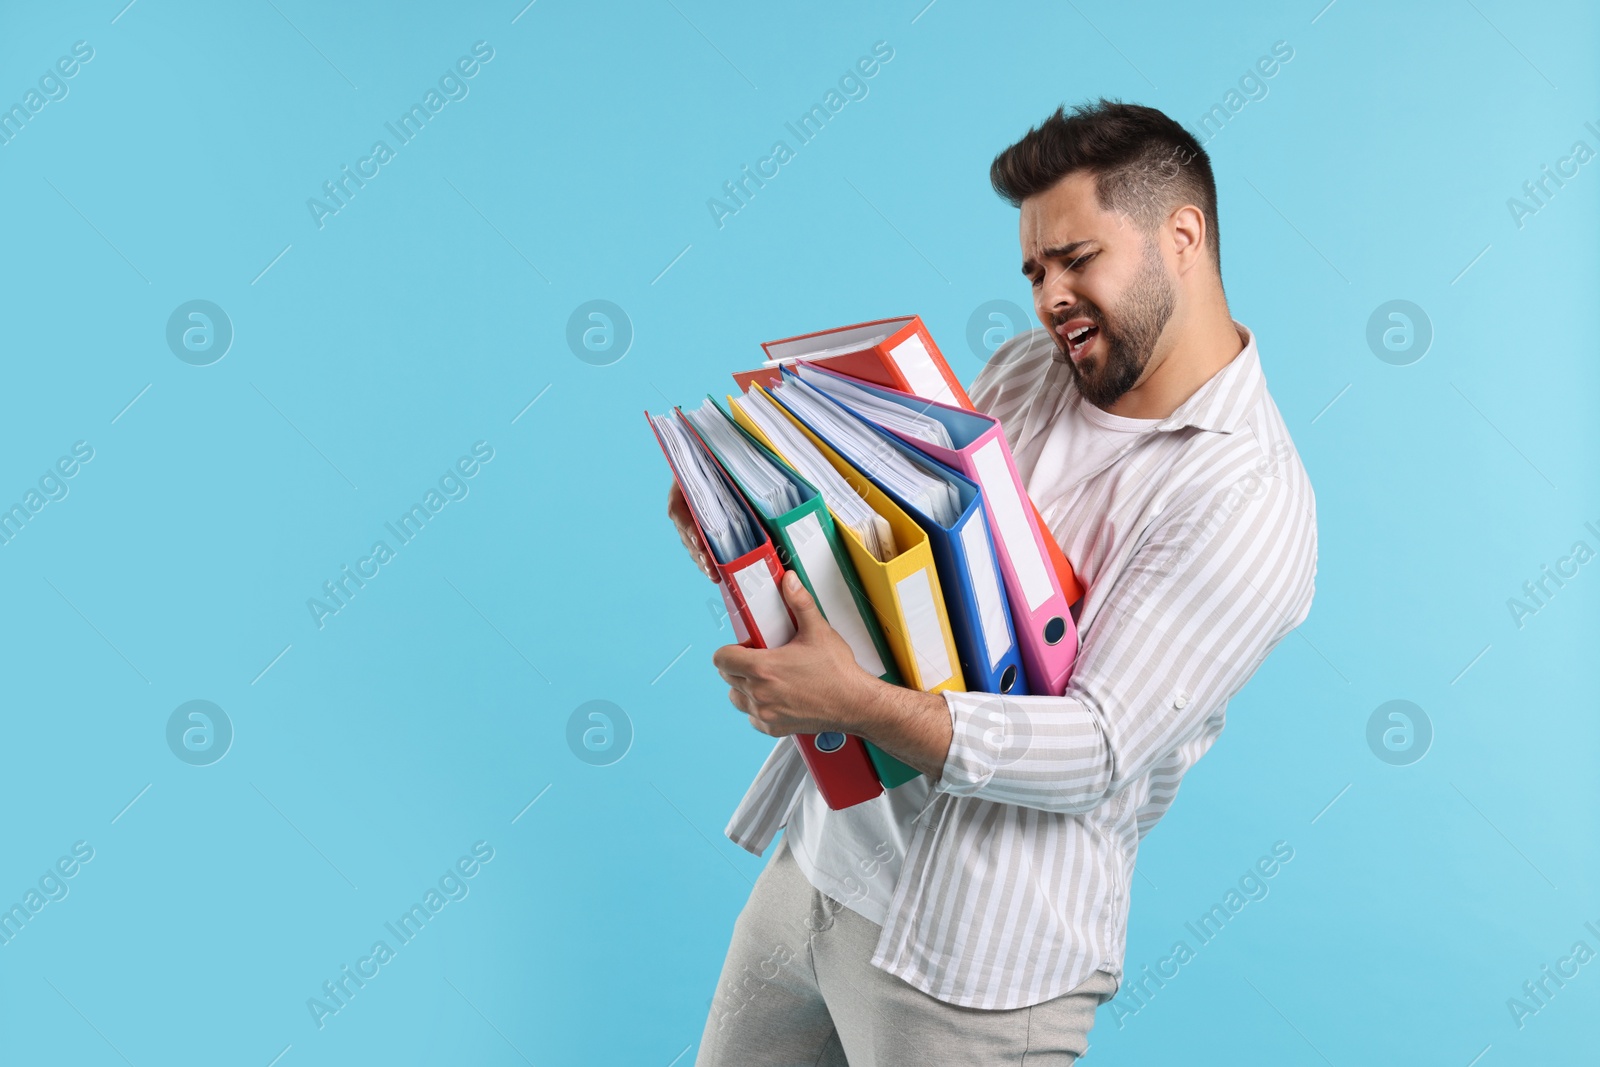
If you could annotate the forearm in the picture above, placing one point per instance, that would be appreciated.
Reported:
(910, 725)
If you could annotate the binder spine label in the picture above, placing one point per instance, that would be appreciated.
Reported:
(833, 594)
(923, 632)
(765, 601)
(735, 616)
(1005, 503)
(912, 357)
(986, 587)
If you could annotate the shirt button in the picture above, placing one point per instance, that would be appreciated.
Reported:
(1179, 699)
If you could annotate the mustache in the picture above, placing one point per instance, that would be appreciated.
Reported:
(1087, 311)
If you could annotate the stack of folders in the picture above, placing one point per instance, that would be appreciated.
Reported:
(904, 518)
(898, 354)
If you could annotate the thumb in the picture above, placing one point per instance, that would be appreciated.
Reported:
(801, 606)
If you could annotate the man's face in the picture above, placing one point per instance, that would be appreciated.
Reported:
(1100, 286)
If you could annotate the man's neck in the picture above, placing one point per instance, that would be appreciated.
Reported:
(1198, 352)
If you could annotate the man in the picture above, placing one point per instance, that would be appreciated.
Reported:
(978, 914)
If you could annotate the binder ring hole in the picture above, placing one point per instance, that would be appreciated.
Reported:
(831, 741)
(1008, 679)
(1055, 629)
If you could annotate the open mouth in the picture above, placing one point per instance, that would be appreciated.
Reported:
(1078, 335)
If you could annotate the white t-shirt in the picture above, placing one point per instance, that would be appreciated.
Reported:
(853, 856)
(1078, 441)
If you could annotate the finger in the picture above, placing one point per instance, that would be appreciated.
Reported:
(733, 662)
(732, 676)
(692, 540)
(801, 606)
(692, 546)
(678, 511)
(732, 679)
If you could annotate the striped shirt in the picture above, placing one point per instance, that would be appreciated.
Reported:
(1197, 545)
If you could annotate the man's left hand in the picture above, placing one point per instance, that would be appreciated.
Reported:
(810, 685)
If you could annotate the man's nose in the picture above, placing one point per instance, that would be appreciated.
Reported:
(1057, 295)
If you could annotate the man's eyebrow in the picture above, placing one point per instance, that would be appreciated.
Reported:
(1058, 252)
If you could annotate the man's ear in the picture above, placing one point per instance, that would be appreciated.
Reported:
(1186, 229)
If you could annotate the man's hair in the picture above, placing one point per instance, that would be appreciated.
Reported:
(1144, 164)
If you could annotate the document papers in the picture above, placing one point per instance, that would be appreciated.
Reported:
(885, 413)
(723, 520)
(846, 504)
(766, 486)
(929, 493)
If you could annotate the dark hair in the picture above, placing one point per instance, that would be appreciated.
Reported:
(1144, 164)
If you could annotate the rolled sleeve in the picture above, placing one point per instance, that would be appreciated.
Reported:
(1044, 752)
(1197, 609)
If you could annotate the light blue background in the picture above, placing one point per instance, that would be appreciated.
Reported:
(428, 313)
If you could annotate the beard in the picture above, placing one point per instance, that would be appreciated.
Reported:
(1129, 335)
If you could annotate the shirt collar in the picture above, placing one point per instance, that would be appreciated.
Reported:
(1223, 403)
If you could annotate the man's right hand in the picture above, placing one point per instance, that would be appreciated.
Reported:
(678, 512)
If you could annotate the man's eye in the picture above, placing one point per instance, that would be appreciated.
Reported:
(1078, 263)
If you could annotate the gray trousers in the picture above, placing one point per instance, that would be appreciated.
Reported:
(798, 989)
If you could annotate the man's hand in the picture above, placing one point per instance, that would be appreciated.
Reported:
(810, 685)
(688, 532)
